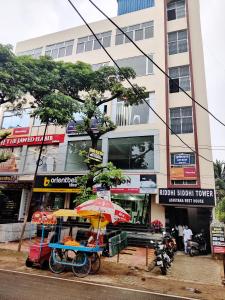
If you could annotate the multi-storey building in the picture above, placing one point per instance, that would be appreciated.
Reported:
(168, 181)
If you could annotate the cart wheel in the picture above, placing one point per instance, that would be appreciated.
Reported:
(81, 259)
(29, 263)
(56, 267)
(95, 263)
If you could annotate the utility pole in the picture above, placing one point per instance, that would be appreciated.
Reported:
(32, 187)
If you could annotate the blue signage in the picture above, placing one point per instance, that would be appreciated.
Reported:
(182, 159)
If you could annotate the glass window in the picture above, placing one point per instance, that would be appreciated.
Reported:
(181, 120)
(60, 49)
(184, 182)
(132, 152)
(119, 39)
(133, 114)
(75, 162)
(80, 47)
(141, 65)
(48, 161)
(96, 67)
(176, 10)
(139, 35)
(177, 42)
(89, 43)
(12, 119)
(180, 77)
(36, 53)
(136, 32)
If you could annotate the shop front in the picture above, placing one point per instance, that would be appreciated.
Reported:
(136, 195)
(192, 207)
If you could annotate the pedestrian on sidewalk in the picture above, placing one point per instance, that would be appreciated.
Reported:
(187, 233)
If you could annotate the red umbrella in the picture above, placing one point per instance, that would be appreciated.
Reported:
(111, 211)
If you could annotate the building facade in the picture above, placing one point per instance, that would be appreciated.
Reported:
(168, 181)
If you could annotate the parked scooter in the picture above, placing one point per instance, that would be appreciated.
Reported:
(197, 245)
(162, 259)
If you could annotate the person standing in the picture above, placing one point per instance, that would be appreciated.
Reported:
(187, 233)
(180, 229)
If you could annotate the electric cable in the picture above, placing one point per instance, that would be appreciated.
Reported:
(133, 87)
(154, 63)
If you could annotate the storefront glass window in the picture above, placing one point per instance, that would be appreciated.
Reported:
(48, 161)
(132, 153)
(75, 162)
(13, 119)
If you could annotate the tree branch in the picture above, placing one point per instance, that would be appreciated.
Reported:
(109, 99)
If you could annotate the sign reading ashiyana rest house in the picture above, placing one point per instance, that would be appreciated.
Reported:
(194, 197)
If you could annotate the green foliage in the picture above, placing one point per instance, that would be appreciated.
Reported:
(12, 76)
(4, 156)
(219, 179)
(220, 210)
(105, 175)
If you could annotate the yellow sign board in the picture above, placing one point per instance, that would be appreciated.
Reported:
(56, 190)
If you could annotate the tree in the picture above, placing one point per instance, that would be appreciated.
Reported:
(219, 179)
(11, 85)
(220, 210)
(92, 89)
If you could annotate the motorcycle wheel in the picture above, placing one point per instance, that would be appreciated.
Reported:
(192, 252)
(163, 269)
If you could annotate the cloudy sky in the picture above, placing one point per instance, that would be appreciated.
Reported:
(24, 19)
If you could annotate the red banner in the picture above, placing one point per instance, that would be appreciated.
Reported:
(217, 249)
(21, 131)
(190, 172)
(33, 140)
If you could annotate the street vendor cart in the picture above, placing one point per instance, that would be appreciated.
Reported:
(39, 251)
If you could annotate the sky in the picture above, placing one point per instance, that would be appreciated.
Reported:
(24, 19)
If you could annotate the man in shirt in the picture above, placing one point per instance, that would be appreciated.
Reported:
(187, 233)
(180, 229)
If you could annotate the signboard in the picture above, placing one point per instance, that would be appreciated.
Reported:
(72, 127)
(8, 179)
(20, 131)
(182, 159)
(218, 238)
(192, 197)
(183, 173)
(32, 140)
(95, 155)
(103, 193)
(137, 184)
(56, 184)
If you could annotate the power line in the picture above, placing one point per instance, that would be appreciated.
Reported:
(133, 87)
(147, 56)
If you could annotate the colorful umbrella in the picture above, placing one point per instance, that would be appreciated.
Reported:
(111, 211)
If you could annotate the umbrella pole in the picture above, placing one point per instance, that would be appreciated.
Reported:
(98, 232)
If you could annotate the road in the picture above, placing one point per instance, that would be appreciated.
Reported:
(21, 286)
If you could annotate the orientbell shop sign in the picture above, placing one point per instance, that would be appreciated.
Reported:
(56, 184)
(190, 197)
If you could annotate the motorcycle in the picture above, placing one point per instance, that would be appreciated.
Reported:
(170, 244)
(162, 259)
(197, 245)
